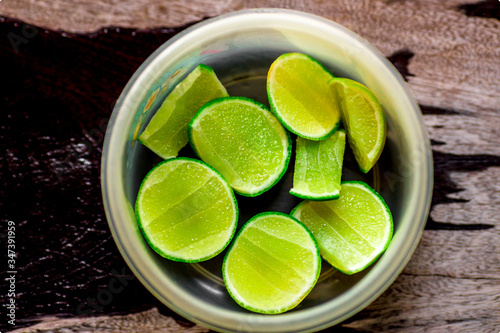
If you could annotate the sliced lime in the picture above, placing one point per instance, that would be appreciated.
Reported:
(166, 133)
(272, 265)
(186, 211)
(351, 231)
(363, 119)
(318, 167)
(244, 141)
(298, 91)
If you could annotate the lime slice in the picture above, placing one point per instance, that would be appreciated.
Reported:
(166, 133)
(242, 140)
(272, 265)
(186, 211)
(351, 231)
(297, 86)
(363, 119)
(318, 167)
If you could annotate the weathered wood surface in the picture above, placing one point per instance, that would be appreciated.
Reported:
(456, 57)
(449, 52)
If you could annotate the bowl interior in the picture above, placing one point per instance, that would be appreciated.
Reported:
(240, 48)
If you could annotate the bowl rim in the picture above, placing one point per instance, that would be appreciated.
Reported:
(206, 314)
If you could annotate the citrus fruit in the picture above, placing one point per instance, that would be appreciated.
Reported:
(351, 231)
(363, 119)
(166, 133)
(242, 140)
(186, 210)
(318, 167)
(298, 91)
(272, 264)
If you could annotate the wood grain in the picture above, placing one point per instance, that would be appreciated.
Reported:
(150, 321)
(478, 201)
(56, 94)
(465, 134)
(418, 303)
(462, 255)
(452, 64)
(456, 62)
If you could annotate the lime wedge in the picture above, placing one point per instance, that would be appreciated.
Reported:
(186, 211)
(351, 231)
(298, 91)
(166, 133)
(318, 167)
(363, 119)
(272, 265)
(244, 141)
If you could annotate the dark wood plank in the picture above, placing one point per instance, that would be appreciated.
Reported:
(455, 63)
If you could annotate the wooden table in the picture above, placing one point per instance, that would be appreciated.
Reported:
(62, 73)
